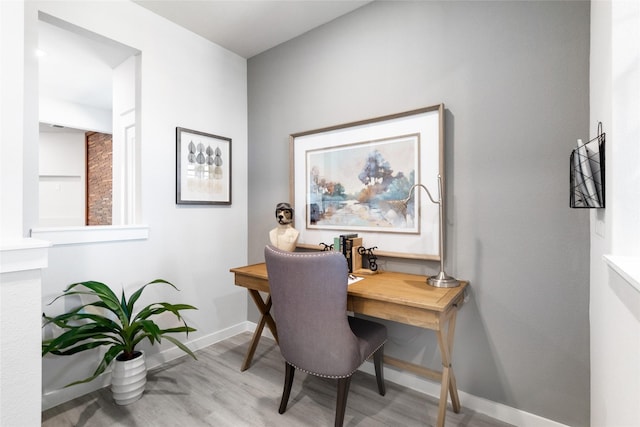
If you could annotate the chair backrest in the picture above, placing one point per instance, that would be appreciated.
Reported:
(309, 296)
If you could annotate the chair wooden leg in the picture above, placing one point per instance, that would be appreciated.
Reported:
(288, 381)
(378, 357)
(341, 403)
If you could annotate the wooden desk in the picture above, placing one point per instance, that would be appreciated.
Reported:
(404, 298)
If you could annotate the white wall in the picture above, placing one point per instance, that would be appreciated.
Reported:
(614, 302)
(20, 259)
(12, 118)
(127, 164)
(73, 115)
(185, 81)
(62, 179)
(625, 92)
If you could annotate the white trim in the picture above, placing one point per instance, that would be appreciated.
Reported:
(58, 397)
(626, 266)
(480, 405)
(91, 234)
(495, 410)
(24, 255)
(174, 352)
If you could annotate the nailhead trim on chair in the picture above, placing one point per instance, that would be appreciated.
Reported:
(339, 376)
(296, 254)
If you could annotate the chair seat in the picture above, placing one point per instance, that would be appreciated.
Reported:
(371, 335)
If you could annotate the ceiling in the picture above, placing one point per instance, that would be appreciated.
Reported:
(77, 65)
(249, 27)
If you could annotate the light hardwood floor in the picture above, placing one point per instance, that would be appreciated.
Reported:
(211, 391)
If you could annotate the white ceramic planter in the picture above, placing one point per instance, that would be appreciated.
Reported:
(128, 379)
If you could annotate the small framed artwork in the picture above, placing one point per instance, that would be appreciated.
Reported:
(354, 179)
(203, 168)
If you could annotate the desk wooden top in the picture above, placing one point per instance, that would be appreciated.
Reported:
(389, 287)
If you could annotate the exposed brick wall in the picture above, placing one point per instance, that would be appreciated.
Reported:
(99, 178)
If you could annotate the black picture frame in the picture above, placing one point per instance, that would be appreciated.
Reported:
(203, 168)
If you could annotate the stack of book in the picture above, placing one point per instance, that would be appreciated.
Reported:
(348, 244)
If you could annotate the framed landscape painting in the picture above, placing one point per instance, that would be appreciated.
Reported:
(354, 178)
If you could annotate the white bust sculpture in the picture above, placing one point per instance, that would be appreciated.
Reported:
(284, 236)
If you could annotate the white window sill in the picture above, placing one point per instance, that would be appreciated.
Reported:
(23, 255)
(626, 266)
(91, 234)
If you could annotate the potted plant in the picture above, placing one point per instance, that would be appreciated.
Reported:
(117, 325)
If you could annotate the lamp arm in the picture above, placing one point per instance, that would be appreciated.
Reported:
(413, 187)
(442, 224)
(442, 279)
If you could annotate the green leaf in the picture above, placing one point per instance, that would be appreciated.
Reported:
(83, 347)
(152, 330)
(162, 307)
(180, 329)
(77, 335)
(98, 289)
(63, 320)
(181, 346)
(111, 354)
(149, 311)
(103, 292)
(125, 308)
(136, 295)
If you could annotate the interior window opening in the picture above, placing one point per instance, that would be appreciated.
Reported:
(88, 151)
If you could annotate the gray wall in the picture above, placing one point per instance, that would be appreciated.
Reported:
(514, 80)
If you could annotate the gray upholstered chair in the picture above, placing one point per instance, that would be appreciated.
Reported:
(315, 334)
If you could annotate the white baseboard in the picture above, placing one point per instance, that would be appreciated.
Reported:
(57, 397)
(480, 405)
(495, 410)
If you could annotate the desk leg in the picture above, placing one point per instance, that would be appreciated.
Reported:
(448, 385)
(453, 388)
(264, 307)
